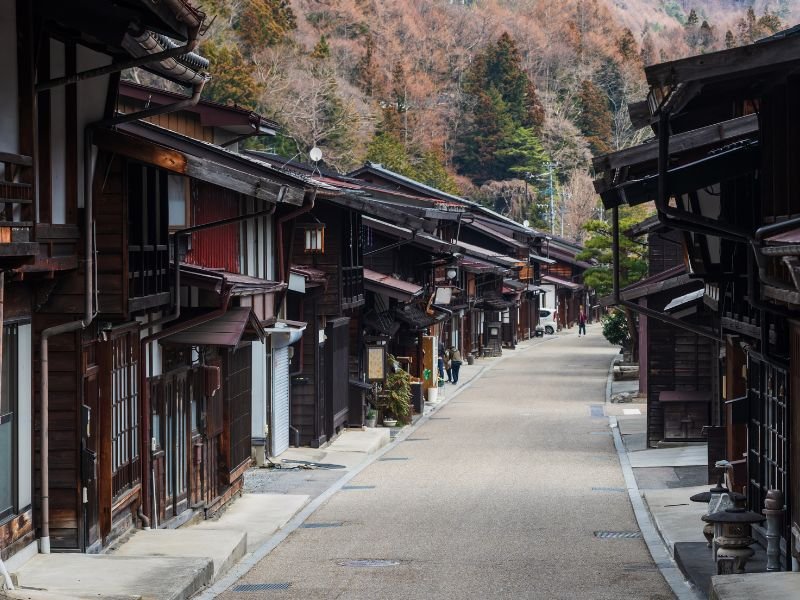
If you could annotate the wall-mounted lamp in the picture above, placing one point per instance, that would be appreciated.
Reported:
(314, 238)
(451, 273)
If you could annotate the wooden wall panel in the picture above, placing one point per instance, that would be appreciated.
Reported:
(677, 360)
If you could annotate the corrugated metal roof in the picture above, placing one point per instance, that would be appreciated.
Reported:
(562, 282)
(226, 330)
(217, 280)
(391, 286)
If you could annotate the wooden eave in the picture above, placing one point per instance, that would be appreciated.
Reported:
(674, 84)
(369, 206)
(198, 165)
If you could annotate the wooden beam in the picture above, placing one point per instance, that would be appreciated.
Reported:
(765, 56)
(682, 142)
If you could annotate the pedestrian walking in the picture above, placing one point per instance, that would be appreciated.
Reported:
(448, 366)
(581, 323)
(455, 363)
(440, 362)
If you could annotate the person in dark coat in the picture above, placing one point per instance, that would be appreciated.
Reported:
(582, 323)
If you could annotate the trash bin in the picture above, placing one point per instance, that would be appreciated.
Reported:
(417, 400)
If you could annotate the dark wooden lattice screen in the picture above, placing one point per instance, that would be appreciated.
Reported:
(238, 397)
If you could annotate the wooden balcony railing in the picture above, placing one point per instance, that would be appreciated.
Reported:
(352, 286)
(148, 276)
(16, 211)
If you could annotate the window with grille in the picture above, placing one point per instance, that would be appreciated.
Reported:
(8, 423)
(124, 412)
(768, 448)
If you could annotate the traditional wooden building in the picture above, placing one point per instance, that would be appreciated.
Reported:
(724, 176)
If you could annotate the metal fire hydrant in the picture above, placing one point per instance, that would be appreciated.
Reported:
(733, 538)
(773, 510)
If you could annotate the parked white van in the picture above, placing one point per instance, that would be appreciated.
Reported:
(547, 320)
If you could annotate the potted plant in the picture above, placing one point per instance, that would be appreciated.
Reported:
(395, 401)
(372, 417)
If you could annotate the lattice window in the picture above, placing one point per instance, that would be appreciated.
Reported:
(8, 422)
(768, 452)
(124, 412)
(238, 398)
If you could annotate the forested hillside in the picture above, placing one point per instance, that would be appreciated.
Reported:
(478, 97)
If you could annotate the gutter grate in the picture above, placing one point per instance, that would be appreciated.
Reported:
(416, 439)
(597, 410)
(617, 535)
(608, 489)
(599, 433)
(320, 525)
(262, 587)
(358, 487)
(393, 458)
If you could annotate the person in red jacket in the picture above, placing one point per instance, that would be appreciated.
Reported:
(581, 323)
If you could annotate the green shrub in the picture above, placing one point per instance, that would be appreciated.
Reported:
(615, 328)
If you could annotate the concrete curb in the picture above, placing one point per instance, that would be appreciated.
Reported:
(249, 561)
(659, 552)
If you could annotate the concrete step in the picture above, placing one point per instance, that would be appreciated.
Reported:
(366, 441)
(224, 547)
(91, 576)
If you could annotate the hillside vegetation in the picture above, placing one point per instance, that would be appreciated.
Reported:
(480, 97)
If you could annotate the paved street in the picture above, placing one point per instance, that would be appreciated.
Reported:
(497, 496)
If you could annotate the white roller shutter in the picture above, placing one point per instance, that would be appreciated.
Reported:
(279, 427)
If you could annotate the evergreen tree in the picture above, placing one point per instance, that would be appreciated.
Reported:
(730, 41)
(706, 39)
(692, 20)
(430, 171)
(520, 153)
(234, 78)
(627, 45)
(490, 125)
(386, 149)
(632, 252)
(322, 50)
(503, 116)
(367, 69)
(266, 22)
(595, 117)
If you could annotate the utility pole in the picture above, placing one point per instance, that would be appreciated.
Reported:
(550, 165)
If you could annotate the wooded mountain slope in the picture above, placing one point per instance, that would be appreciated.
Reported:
(396, 81)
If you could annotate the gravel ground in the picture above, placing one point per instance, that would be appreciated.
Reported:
(499, 497)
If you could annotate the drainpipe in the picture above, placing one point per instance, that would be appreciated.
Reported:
(680, 219)
(642, 309)
(176, 313)
(283, 266)
(89, 290)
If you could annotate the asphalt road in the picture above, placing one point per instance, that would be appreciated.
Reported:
(498, 496)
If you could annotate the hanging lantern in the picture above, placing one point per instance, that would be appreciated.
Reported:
(314, 238)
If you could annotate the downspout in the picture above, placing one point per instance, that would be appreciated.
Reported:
(642, 309)
(89, 287)
(176, 313)
(283, 266)
(680, 219)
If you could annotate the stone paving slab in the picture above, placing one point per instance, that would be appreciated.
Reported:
(677, 518)
(682, 456)
(260, 515)
(222, 546)
(91, 576)
(749, 586)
